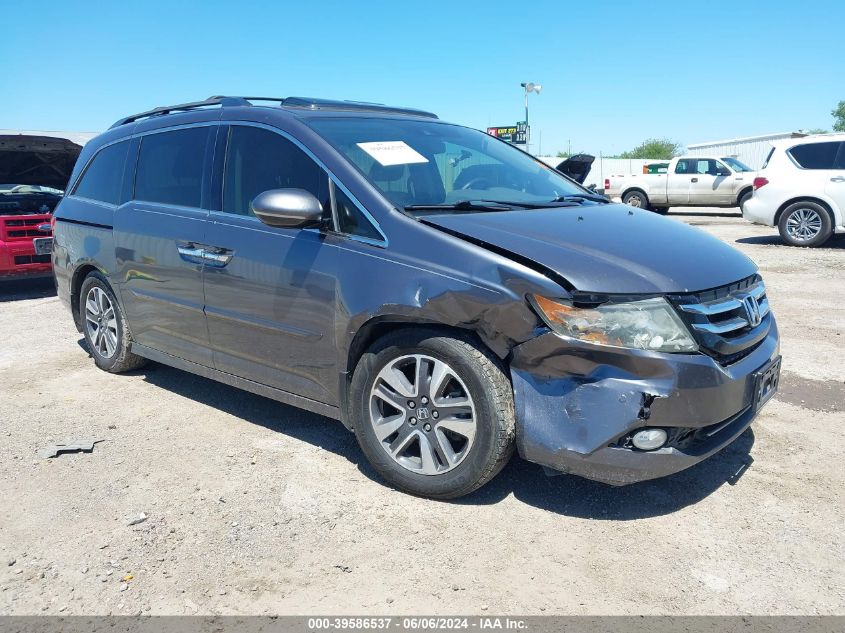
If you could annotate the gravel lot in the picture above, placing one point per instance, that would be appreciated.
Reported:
(255, 507)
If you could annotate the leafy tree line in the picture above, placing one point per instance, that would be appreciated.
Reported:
(653, 148)
(838, 114)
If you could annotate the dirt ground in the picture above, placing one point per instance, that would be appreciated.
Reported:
(254, 507)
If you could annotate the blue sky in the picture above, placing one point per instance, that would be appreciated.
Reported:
(613, 73)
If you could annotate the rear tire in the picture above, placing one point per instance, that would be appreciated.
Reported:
(805, 223)
(636, 198)
(745, 197)
(462, 439)
(104, 327)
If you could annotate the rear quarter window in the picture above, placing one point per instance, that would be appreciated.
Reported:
(815, 155)
(103, 178)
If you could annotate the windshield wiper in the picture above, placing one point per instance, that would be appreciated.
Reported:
(462, 205)
(580, 197)
(490, 205)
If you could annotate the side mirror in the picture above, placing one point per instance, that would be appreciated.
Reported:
(291, 208)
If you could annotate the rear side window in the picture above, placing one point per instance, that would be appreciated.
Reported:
(258, 160)
(815, 155)
(170, 167)
(683, 167)
(103, 178)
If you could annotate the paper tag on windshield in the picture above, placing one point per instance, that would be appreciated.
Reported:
(389, 153)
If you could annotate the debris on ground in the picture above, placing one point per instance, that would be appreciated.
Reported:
(138, 519)
(71, 446)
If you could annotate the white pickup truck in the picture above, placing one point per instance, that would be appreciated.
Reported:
(686, 181)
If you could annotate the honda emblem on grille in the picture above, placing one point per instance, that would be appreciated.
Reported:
(752, 310)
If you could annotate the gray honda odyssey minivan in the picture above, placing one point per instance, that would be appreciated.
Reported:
(445, 295)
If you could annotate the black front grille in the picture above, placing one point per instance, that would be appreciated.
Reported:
(26, 222)
(728, 322)
(25, 233)
(32, 259)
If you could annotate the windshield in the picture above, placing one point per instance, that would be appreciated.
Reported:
(736, 165)
(418, 163)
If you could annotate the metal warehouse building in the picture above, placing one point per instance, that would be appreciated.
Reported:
(751, 150)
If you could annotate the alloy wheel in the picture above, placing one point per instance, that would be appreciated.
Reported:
(804, 224)
(423, 414)
(101, 322)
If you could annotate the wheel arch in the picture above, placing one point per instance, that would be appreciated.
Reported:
(638, 188)
(382, 325)
(820, 201)
(742, 192)
(79, 275)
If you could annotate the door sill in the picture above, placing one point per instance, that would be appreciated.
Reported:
(279, 395)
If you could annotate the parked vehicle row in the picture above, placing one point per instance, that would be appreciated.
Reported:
(687, 181)
(446, 296)
(801, 190)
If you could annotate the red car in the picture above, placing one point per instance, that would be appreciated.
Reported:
(36, 169)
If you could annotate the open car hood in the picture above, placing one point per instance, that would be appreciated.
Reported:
(611, 249)
(577, 167)
(37, 160)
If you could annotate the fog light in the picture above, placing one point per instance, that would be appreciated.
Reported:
(649, 439)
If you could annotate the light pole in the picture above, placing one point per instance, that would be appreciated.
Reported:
(529, 86)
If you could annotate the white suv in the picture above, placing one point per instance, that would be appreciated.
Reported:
(801, 190)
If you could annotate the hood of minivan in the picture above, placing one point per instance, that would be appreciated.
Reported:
(611, 248)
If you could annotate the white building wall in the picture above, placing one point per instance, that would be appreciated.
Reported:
(751, 150)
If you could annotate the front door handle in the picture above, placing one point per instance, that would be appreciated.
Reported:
(217, 257)
(838, 179)
(191, 253)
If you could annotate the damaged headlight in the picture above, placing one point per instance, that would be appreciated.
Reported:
(649, 324)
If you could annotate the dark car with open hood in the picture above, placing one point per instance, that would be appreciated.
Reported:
(445, 295)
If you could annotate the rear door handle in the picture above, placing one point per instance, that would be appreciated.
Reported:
(694, 180)
(838, 179)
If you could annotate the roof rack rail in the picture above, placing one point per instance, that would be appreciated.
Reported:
(332, 104)
(291, 102)
(184, 107)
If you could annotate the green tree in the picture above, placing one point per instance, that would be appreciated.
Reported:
(563, 154)
(839, 117)
(816, 130)
(659, 148)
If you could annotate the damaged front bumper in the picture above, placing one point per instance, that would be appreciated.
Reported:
(577, 405)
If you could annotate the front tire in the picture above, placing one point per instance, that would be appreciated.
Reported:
(104, 327)
(745, 197)
(805, 223)
(433, 414)
(636, 198)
